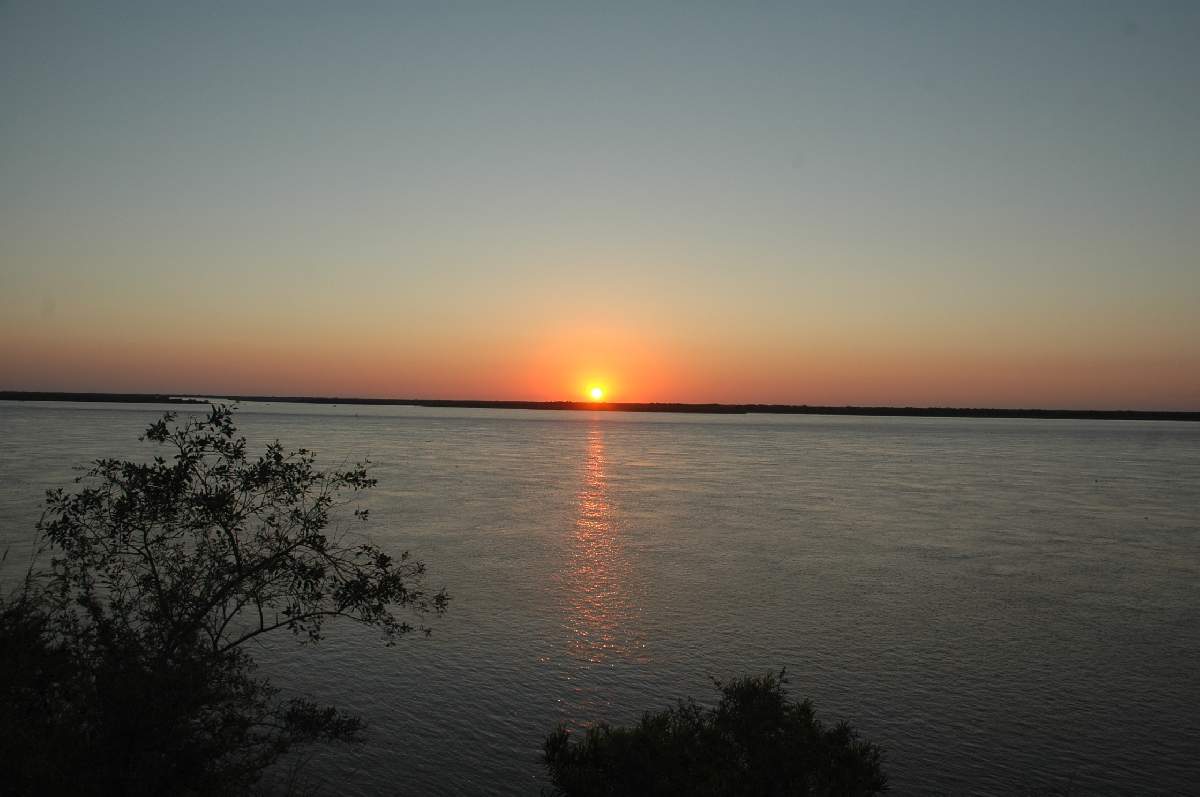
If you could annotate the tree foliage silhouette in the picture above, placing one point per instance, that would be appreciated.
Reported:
(125, 661)
(754, 742)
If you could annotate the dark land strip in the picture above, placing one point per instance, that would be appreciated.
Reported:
(616, 406)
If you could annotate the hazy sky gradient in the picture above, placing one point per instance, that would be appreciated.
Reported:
(873, 203)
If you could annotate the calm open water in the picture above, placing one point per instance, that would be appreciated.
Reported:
(1003, 604)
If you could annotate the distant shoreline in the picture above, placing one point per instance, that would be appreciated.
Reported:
(709, 409)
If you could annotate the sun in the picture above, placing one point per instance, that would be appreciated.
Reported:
(596, 393)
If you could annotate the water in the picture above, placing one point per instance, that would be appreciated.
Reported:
(1005, 605)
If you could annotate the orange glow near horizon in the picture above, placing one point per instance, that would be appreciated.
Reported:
(633, 363)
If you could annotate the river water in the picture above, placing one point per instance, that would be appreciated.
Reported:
(1004, 605)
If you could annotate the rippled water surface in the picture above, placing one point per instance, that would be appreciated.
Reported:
(1003, 604)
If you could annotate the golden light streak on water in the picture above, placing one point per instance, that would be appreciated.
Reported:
(601, 616)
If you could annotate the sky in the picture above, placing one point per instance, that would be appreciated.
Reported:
(904, 203)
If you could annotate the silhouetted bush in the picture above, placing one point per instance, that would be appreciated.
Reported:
(754, 742)
(123, 667)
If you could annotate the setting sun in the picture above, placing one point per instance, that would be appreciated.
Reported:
(596, 393)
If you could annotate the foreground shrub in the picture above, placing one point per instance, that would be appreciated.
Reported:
(123, 664)
(754, 742)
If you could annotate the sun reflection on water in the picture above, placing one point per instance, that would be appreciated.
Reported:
(601, 616)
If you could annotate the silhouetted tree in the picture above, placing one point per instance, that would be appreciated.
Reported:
(125, 668)
(754, 742)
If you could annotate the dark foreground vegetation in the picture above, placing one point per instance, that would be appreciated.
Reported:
(123, 661)
(754, 742)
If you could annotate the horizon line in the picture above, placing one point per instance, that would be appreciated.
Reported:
(713, 408)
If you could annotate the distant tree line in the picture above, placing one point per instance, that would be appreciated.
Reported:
(639, 406)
